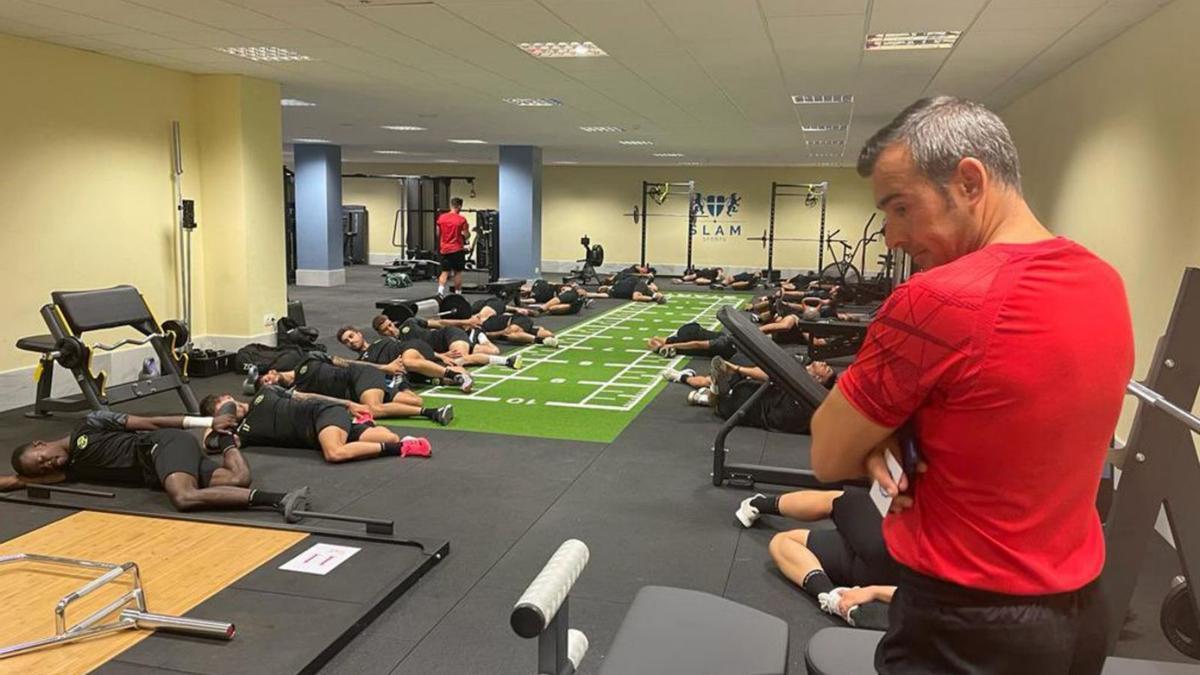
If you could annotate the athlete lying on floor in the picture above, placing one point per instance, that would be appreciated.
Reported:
(110, 447)
(356, 382)
(414, 358)
(341, 430)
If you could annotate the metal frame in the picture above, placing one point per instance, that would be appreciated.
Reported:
(1161, 468)
(129, 618)
(691, 214)
(780, 190)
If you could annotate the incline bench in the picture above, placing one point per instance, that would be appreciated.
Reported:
(73, 313)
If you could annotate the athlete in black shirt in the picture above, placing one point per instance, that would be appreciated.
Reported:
(493, 317)
(109, 447)
(355, 382)
(283, 419)
(477, 342)
(633, 288)
(452, 344)
(414, 357)
(547, 298)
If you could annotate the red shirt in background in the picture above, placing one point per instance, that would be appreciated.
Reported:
(1012, 363)
(452, 232)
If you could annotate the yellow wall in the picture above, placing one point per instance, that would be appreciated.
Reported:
(579, 200)
(87, 190)
(1110, 151)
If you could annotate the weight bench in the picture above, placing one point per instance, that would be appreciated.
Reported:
(783, 372)
(73, 313)
(667, 631)
(508, 290)
(845, 337)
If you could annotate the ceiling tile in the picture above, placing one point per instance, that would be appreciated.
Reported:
(772, 8)
(906, 15)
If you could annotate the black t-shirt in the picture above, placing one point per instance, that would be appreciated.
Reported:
(383, 351)
(319, 377)
(542, 291)
(416, 329)
(275, 418)
(103, 451)
(626, 287)
(496, 323)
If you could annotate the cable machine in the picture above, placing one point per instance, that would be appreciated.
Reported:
(814, 194)
(659, 192)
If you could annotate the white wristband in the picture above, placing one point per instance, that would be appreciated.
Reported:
(197, 422)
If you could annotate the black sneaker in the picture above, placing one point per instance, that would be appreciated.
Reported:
(444, 415)
(296, 500)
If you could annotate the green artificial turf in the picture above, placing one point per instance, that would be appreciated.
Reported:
(588, 389)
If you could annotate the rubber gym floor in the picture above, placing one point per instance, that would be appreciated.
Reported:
(640, 497)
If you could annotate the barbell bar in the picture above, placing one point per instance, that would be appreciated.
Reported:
(763, 238)
(452, 306)
(70, 352)
(638, 216)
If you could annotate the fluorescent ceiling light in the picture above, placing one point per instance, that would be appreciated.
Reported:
(668, 154)
(446, 161)
(827, 141)
(390, 152)
(561, 50)
(822, 127)
(815, 99)
(467, 141)
(264, 53)
(691, 163)
(402, 127)
(295, 103)
(534, 102)
(934, 39)
(602, 130)
(632, 142)
(566, 161)
(310, 140)
(834, 155)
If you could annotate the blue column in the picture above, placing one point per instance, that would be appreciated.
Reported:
(319, 215)
(520, 211)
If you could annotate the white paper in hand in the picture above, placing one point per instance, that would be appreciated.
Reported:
(882, 501)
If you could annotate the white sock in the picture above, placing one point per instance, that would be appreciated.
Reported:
(497, 360)
(441, 290)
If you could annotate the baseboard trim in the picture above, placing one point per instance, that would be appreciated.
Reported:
(18, 388)
(323, 278)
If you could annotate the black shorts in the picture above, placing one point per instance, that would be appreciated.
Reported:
(454, 262)
(421, 346)
(854, 554)
(744, 277)
(335, 416)
(938, 627)
(525, 323)
(366, 378)
(444, 337)
(693, 332)
(177, 451)
(569, 297)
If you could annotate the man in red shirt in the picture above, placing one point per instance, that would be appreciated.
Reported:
(453, 234)
(1005, 361)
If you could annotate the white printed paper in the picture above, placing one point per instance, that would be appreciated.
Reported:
(320, 559)
(882, 501)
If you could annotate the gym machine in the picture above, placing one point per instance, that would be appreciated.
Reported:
(813, 194)
(70, 315)
(355, 234)
(667, 631)
(593, 257)
(289, 223)
(130, 608)
(659, 192)
(1159, 469)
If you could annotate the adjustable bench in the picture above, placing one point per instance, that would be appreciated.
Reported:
(784, 372)
(73, 313)
(667, 631)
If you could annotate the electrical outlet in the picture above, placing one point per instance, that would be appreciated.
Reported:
(269, 320)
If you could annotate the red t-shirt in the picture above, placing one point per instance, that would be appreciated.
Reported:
(452, 231)
(1012, 363)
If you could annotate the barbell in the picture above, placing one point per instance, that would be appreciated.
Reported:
(638, 216)
(764, 239)
(71, 352)
(452, 306)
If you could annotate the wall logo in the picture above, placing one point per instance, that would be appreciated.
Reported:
(716, 206)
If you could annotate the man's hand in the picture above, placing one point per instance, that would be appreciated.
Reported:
(455, 353)
(474, 321)
(224, 424)
(357, 409)
(877, 469)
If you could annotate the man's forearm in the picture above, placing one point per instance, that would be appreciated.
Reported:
(320, 397)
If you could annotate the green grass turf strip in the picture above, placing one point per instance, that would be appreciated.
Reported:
(591, 387)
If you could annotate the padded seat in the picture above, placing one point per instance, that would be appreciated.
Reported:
(675, 631)
(37, 343)
(850, 651)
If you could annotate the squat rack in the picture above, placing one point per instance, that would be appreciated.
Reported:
(659, 191)
(813, 194)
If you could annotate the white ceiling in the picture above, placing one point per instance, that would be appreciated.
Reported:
(708, 78)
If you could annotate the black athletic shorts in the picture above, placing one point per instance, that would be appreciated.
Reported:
(421, 346)
(177, 451)
(938, 627)
(444, 337)
(525, 323)
(366, 378)
(337, 416)
(744, 277)
(854, 554)
(693, 332)
(454, 262)
(569, 296)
